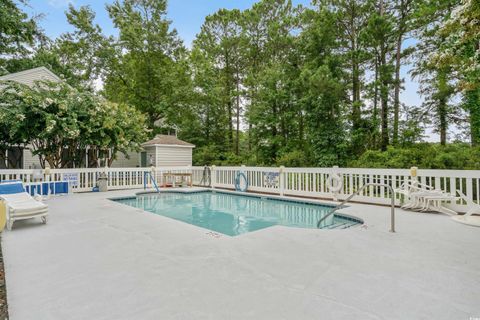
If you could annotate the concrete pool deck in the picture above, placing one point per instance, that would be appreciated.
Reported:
(97, 259)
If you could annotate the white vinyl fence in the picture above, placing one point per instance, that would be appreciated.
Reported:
(312, 182)
(85, 179)
(305, 182)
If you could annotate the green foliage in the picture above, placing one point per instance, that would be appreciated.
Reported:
(294, 158)
(59, 121)
(86, 51)
(147, 69)
(424, 155)
(17, 31)
(273, 84)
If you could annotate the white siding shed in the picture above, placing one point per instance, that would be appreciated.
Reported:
(168, 151)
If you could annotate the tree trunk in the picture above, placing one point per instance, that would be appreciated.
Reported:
(473, 105)
(375, 105)
(237, 141)
(228, 95)
(356, 112)
(384, 88)
(442, 108)
(396, 101)
(443, 125)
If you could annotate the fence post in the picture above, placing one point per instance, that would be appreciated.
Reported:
(109, 176)
(153, 175)
(281, 174)
(213, 176)
(335, 192)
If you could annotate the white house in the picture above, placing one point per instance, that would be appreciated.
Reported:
(17, 157)
(163, 150)
(166, 151)
(29, 77)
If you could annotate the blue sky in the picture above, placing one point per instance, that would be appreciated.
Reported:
(187, 17)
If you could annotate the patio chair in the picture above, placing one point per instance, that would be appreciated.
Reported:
(473, 208)
(410, 186)
(434, 203)
(414, 191)
(20, 205)
(422, 197)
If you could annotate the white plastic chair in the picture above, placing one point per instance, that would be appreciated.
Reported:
(473, 208)
(21, 205)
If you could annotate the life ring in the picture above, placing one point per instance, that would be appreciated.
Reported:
(335, 183)
(238, 187)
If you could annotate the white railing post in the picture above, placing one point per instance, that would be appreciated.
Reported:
(281, 173)
(213, 176)
(335, 193)
(152, 176)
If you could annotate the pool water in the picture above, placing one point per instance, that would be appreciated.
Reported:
(234, 214)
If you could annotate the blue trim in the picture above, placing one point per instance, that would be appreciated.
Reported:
(11, 187)
(45, 188)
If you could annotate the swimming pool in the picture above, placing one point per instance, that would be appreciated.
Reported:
(235, 214)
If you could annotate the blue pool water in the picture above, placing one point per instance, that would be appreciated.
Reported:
(233, 214)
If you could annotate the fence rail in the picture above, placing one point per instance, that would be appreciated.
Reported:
(306, 182)
(313, 182)
(85, 179)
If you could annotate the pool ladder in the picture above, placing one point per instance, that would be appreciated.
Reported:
(392, 205)
(146, 177)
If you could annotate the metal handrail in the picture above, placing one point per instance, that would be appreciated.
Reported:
(152, 180)
(392, 213)
(207, 174)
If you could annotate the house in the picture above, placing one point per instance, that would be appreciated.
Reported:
(18, 157)
(166, 151)
(163, 150)
(29, 77)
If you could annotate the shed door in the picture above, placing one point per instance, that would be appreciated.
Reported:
(143, 159)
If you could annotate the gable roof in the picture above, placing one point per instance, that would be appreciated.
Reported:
(166, 140)
(28, 77)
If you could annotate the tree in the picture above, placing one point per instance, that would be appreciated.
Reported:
(219, 42)
(18, 32)
(147, 70)
(380, 33)
(273, 111)
(325, 94)
(351, 19)
(460, 52)
(86, 51)
(404, 10)
(435, 79)
(60, 122)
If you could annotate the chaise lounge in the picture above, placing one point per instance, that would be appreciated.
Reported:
(19, 204)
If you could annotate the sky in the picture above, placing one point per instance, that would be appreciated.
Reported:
(187, 16)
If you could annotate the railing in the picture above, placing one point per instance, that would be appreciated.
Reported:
(312, 182)
(85, 179)
(305, 182)
(350, 197)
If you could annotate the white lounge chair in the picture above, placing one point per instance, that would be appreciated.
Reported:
(422, 197)
(20, 204)
(468, 217)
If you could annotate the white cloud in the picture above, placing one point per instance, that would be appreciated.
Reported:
(59, 3)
